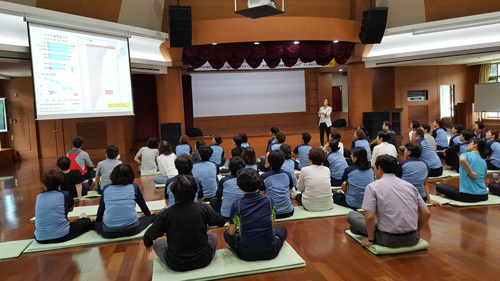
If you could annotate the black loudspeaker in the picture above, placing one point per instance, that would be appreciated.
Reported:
(373, 122)
(373, 26)
(171, 132)
(339, 123)
(194, 132)
(179, 26)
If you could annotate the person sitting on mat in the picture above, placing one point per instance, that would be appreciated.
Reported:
(301, 151)
(80, 160)
(472, 174)
(51, 212)
(248, 156)
(279, 140)
(184, 166)
(428, 137)
(188, 245)
(278, 185)
(479, 130)
(206, 171)
(335, 161)
(117, 204)
(360, 141)
(244, 138)
(415, 171)
(184, 148)
(453, 153)
(492, 150)
(289, 165)
(148, 155)
(254, 214)
(228, 191)
(383, 146)
(166, 163)
(238, 149)
(440, 134)
(456, 130)
(314, 183)
(395, 211)
(355, 180)
(195, 156)
(429, 155)
(105, 167)
(336, 136)
(73, 179)
(218, 154)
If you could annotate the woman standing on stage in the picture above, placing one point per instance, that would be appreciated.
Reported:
(325, 123)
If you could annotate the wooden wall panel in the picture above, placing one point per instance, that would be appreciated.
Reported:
(360, 92)
(383, 89)
(418, 112)
(169, 94)
(104, 10)
(447, 9)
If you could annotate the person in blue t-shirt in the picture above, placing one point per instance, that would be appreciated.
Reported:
(479, 130)
(184, 166)
(440, 134)
(302, 151)
(244, 138)
(195, 156)
(492, 150)
(289, 164)
(278, 185)
(254, 215)
(218, 154)
(51, 212)
(453, 153)
(206, 171)
(429, 155)
(184, 148)
(248, 156)
(415, 171)
(279, 139)
(228, 191)
(118, 202)
(336, 162)
(456, 130)
(361, 141)
(355, 180)
(472, 174)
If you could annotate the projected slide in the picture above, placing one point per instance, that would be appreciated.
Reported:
(3, 116)
(77, 74)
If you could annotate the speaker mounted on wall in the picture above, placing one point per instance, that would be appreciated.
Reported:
(179, 26)
(373, 26)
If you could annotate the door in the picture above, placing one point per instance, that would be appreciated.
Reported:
(337, 98)
(50, 138)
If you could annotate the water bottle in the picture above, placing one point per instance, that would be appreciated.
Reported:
(495, 177)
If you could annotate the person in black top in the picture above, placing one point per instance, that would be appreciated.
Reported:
(237, 141)
(73, 179)
(188, 246)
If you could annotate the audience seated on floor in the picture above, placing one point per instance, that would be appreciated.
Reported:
(184, 166)
(238, 149)
(479, 130)
(360, 141)
(355, 180)
(429, 155)
(218, 154)
(51, 212)
(228, 191)
(335, 161)
(73, 179)
(117, 204)
(206, 171)
(249, 157)
(336, 136)
(166, 163)
(244, 138)
(394, 210)
(289, 165)
(383, 147)
(301, 151)
(387, 126)
(314, 183)
(105, 167)
(183, 148)
(196, 155)
(146, 157)
(188, 245)
(472, 174)
(428, 137)
(278, 185)
(492, 150)
(80, 160)
(254, 215)
(440, 134)
(453, 153)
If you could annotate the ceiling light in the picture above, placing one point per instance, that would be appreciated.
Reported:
(214, 44)
(340, 69)
(256, 43)
(296, 42)
(335, 41)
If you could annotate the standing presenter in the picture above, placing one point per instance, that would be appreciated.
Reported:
(324, 121)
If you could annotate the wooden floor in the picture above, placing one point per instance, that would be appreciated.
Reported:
(464, 244)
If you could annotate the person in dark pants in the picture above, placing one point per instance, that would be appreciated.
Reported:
(472, 174)
(254, 214)
(452, 154)
(325, 123)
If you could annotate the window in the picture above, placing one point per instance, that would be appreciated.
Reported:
(494, 78)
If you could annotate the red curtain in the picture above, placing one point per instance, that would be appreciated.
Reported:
(234, 54)
(187, 95)
(336, 99)
(145, 106)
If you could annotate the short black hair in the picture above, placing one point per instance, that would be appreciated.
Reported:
(183, 164)
(388, 124)
(184, 188)
(205, 152)
(420, 133)
(218, 139)
(286, 150)
(63, 163)
(336, 135)
(280, 137)
(458, 127)
(480, 124)
(77, 142)
(426, 127)
(52, 179)
(414, 148)
(122, 175)
(415, 124)
(198, 144)
(274, 130)
(306, 137)
(244, 137)
(468, 134)
(111, 151)
(334, 145)
(276, 159)
(481, 144)
(383, 135)
(439, 122)
(249, 180)
(248, 155)
(235, 164)
(152, 143)
(387, 163)
(238, 140)
(317, 156)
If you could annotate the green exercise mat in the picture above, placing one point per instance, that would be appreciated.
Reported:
(91, 210)
(159, 185)
(157, 173)
(381, 250)
(492, 200)
(446, 174)
(300, 213)
(441, 199)
(493, 172)
(13, 249)
(90, 194)
(6, 178)
(226, 264)
(90, 237)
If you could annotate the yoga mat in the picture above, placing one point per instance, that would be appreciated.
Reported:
(492, 200)
(157, 173)
(493, 172)
(6, 178)
(90, 237)
(300, 213)
(159, 185)
(90, 194)
(441, 199)
(446, 174)
(13, 249)
(226, 264)
(91, 210)
(381, 250)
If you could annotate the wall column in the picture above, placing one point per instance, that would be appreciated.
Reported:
(360, 92)
(169, 96)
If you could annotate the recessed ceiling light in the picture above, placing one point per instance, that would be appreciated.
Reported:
(256, 43)
(214, 44)
(335, 41)
(340, 69)
(296, 42)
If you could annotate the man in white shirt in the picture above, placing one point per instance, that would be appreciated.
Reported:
(383, 147)
(428, 137)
